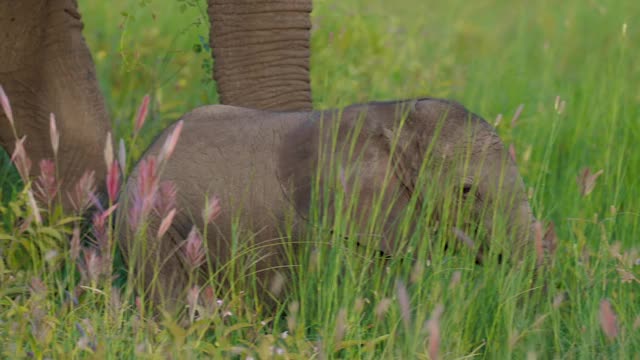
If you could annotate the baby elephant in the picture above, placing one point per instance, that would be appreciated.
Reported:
(395, 162)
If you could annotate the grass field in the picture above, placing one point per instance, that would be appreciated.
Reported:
(572, 65)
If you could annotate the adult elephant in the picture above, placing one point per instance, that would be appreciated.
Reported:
(261, 50)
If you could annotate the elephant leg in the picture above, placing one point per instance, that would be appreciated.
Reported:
(46, 67)
(261, 52)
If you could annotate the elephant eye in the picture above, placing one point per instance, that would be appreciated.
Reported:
(466, 189)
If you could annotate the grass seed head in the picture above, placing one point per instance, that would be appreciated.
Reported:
(608, 320)
(6, 107)
(194, 250)
(433, 327)
(21, 160)
(166, 223)
(171, 142)
(212, 209)
(404, 303)
(192, 301)
(46, 183)
(122, 156)
(166, 199)
(108, 151)
(93, 266)
(113, 181)
(74, 247)
(34, 207)
(516, 115)
(382, 308)
(54, 135)
(341, 326)
(587, 180)
(141, 115)
(83, 191)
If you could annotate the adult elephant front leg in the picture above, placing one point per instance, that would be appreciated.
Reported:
(261, 52)
(46, 67)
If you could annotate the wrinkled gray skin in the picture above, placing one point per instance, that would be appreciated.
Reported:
(261, 165)
(261, 50)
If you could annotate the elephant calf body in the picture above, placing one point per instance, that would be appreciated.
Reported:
(262, 165)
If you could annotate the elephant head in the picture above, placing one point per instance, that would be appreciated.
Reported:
(467, 173)
(400, 162)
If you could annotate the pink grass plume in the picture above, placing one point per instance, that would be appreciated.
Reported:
(34, 207)
(517, 114)
(148, 178)
(166, 199)
(404, 302)
(54, 134)
(146, 192)
(212, 209)
(141, 116)
(92, 264)
(74, 246)
(108, 151)
(100, 228)
(46, 183)
(21, 160)
(194, 249)
(171, 142)
(166, 223)
(433, 326)
(608, 320)
(6, 107)
(113, 181)
(83, 191)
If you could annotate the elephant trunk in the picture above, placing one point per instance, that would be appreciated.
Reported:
(46, 67)
(261, 53)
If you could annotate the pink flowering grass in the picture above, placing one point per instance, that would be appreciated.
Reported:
(46, 185)
(141, 115)
(21, 160)
(194, 252)
(54, 135)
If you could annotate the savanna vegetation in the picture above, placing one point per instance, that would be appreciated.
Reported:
(558, 80)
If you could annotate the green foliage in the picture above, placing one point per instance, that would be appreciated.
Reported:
(573, 65)
(9, 178)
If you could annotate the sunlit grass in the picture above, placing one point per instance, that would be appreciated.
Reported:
(573, 67)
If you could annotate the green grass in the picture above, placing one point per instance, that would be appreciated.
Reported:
(491, 56)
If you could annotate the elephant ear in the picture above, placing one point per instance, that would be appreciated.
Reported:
(375, 196)
(346, 154)
(395, 124)
(422, 130)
